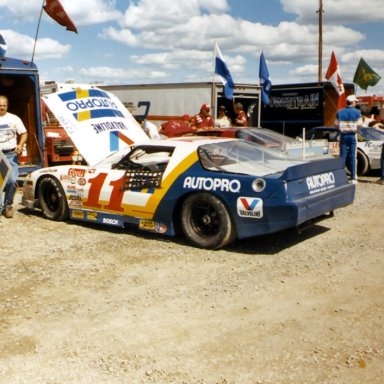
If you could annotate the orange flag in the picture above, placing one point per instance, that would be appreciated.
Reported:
(56, 11)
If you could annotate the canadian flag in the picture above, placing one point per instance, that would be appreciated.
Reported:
(57, 12)
(333, 75)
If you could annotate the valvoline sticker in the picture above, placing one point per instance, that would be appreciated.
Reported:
(251, 207)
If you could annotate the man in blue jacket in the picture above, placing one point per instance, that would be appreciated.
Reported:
(349, 120)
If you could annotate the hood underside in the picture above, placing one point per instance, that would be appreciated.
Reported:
(96, 120)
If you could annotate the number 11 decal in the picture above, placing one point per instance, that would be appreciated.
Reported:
(115, 199)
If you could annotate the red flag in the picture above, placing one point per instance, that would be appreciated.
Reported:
(333, 75)
(56, 11)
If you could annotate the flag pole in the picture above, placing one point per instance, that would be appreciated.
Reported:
(213, 89)
(259, 103)
(37, 32)
(320, 47)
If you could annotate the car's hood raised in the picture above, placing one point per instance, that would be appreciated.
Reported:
(96, 120)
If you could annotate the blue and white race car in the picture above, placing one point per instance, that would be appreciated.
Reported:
(213, 190)
(369, 145)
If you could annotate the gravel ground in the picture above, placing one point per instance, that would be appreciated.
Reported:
(87, 304)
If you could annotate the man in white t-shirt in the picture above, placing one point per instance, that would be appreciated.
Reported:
(11, 127)
(223, 121)
(150, 129)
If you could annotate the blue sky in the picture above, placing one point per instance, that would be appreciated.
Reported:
(155, 41)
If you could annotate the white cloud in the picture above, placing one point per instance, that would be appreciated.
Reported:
(158, 14)
(335, 11)
(89, 12)
(20, 10)
(114, 75)
(20, 45)
(83, 12)
(123, 36)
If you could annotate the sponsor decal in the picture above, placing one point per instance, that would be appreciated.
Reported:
(75, 201)
(77, 214)
(109, 126)
(81, 181)
(148, 225)
(65, 177)
(90, 104)
(371, 147)
(110, 221)
(161, 228)
(75, 172)
(334, 148)
(48, 170)
(92, 216)
(71, 189)
(321, 182)
(212, 184)
(74, 197)
(251, 207)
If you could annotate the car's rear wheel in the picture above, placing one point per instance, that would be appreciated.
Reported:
(362, 163)
(205, 221)
(52, 200)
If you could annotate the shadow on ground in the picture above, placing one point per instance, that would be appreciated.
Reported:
(266, 244)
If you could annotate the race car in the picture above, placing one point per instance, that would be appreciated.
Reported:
(212, 190)
(369, 145)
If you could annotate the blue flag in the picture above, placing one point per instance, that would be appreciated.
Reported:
(265, 80)
(222, 70)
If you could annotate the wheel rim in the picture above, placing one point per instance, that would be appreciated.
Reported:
(51, 198)
(204, 220)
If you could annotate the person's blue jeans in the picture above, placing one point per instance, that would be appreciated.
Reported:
(10, 187)
(348, 151)
(382, 169)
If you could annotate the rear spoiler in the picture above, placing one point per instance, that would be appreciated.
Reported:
(312, 168)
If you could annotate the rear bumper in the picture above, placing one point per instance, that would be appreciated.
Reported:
(297, 213)
(313, 206)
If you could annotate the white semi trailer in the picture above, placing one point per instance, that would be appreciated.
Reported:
(169, 101)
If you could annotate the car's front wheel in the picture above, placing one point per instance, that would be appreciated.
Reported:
(52, 200)
(205, 221)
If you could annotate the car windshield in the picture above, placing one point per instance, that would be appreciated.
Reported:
(372, 134)
(113, 158)
(244, 157)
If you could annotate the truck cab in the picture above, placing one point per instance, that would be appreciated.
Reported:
(48, 143)
(19, 81)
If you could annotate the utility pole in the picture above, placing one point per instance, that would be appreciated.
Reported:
(320, 66)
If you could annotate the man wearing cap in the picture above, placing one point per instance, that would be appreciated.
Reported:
(349, 120)
(203, 120)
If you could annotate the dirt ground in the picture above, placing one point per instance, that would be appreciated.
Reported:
(87, 304)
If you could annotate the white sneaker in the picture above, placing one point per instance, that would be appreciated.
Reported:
(354, 181)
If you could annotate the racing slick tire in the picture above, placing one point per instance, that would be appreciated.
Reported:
(362, 163)
(205, 221)
(52, 200)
